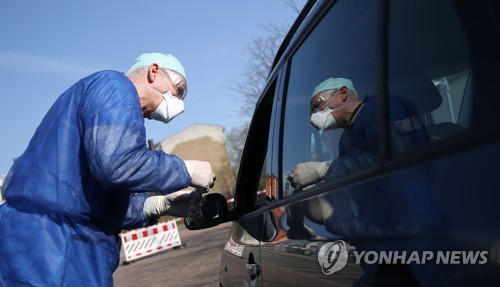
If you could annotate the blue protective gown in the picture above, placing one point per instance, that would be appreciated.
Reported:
(79, 182)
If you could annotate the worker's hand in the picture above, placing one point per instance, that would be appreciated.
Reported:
(184, 203)
(196, 203)
(308, 173)
(201, 173)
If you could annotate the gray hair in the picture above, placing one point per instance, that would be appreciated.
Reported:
(140, 71)
(137, 72)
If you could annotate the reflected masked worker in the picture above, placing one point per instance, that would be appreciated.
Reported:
(336, 104)
(389, 207)
(84, 174)
(396, 208)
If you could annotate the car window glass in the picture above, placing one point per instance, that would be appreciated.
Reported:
(429, 74)
(342, 50)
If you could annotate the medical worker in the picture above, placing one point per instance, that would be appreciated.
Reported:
(84, 174)
(382, 214)
(335, 104)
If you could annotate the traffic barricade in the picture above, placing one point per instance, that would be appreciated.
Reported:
(143, 242)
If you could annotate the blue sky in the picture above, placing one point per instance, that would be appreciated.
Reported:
(46, 46)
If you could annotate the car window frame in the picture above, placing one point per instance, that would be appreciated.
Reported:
(257, 142)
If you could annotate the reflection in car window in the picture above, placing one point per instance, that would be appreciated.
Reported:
(321, 77)
(261, 191)
(429, 67)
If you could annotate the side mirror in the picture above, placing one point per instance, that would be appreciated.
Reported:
(214, 212)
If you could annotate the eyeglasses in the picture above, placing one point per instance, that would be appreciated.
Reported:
(321, 100)
(179, 83)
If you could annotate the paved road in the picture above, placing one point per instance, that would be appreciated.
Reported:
(195, 264)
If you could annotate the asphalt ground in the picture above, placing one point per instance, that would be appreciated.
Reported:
(196, 263)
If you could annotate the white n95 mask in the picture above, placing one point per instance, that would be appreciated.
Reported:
(324, 120)
(168, 109)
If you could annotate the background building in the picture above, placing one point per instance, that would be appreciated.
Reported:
(205, 143)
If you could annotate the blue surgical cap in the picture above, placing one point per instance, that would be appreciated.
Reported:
(167, 61)
(333, 84)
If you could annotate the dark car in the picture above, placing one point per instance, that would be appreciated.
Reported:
(410, 190)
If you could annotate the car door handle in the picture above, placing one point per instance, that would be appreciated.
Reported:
(253, 269)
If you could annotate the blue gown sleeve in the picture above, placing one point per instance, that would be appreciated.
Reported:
(135, 216)
(115, 145)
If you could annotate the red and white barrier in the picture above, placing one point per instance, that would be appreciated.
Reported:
(142, 242)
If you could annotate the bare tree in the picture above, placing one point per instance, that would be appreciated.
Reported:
(261, 50)
(248, 89)
(235, 140)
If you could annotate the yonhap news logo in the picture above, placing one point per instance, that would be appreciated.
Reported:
(333, 257)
